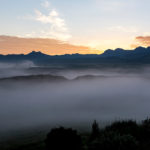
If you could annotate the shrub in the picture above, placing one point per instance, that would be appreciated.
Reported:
(61, 138)
(112, 140)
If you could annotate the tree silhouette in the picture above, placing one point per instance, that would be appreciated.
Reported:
(61, 138)
(112, 140)
(95, 131)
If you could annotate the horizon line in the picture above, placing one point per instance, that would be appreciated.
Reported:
(74, 53)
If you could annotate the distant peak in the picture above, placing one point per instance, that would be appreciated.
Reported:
(140, 48)
(109, 50)
(36, 53)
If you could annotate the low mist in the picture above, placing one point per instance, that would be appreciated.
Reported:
(121, 94)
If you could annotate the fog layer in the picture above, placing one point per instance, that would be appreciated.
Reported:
(121, 95)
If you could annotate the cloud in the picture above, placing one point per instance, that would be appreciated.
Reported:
(141, 41)
(53, 19)
(11, 44)
(54, 25)
(144, 40)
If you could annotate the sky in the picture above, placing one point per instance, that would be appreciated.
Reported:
(73, 26)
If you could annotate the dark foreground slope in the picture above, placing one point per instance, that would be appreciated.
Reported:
(120, 135)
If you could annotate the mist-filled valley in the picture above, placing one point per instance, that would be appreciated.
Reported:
(34, 96)
(74, 75)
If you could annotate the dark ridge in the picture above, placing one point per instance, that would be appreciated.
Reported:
(50, 78)
(35, 78)
(90, 77)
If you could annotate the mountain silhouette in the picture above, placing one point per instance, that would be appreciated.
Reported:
(138, 55)
(138, 52)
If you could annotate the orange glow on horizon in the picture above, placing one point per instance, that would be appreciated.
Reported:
(17, 45)
(20, 45)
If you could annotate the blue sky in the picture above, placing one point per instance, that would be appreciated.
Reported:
(100, 24)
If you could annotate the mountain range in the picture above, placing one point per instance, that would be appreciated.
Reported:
(138, 55)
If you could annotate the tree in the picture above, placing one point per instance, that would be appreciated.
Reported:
(112, 140)
(95, 130)
(61, 138)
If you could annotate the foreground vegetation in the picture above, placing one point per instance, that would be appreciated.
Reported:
(120, 135)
